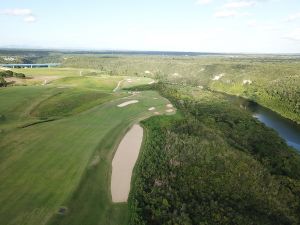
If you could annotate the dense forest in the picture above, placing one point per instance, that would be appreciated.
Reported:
(213, 164)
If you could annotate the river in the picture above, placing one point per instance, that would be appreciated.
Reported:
(287, 129)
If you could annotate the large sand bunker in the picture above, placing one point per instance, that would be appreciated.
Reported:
(123, 163)
(128, 103)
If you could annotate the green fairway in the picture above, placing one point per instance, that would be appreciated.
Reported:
(66, 162)
(51, 71)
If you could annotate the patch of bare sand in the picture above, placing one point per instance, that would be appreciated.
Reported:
(151, 109)
(127, 103)
(43, 80)
(169, 110)
(123, 163)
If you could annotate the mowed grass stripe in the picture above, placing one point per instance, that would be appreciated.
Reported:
(43, 164)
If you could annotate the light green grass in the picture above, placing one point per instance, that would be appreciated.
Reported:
(48, 165)
(54, 71)
(103, 83)
(17, 103)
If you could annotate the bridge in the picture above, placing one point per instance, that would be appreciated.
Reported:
(44, 65)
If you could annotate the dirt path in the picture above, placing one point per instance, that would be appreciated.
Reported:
(119, 83)
(123, 163)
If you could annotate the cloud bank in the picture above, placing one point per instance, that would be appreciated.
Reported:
(26, 14)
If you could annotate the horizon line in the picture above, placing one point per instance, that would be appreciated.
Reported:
(139, 51)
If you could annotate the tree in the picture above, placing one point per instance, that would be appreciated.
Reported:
(3, 82)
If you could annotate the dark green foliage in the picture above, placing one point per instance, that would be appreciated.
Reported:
(6, 73)
(3, 83)
(19, 75)
(215, 166)
(2, 117)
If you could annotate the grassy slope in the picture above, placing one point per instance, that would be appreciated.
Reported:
(55, 71)
(43, 164)
(17, 103)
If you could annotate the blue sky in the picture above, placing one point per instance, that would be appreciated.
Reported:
(257, 26)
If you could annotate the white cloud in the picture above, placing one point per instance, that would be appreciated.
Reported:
(292, 17)
(27, 15)
(294, 35)
(203, 2)
(239, 4)
(16, 12)
(30, 19)
(229, 13)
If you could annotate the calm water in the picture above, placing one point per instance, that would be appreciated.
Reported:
(287, 129)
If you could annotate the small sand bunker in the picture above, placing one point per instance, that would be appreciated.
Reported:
(218, 77)
(147, 72)
(169, 105)
(170, 110)
(123, 163)
(151, 109)
(127, 103)
(156, 113)
(152, 82)
(155, 98)
(129, 80)
(247, 82)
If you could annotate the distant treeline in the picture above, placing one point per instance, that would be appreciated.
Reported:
(273, 82)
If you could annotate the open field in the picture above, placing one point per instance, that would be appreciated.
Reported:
(46, 165)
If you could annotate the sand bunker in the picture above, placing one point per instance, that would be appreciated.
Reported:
(123, 163)
(218, 77)
(127, 103)
(169, 110)
(151, 109)
(152, 82)
(247, 82)
(169, 105)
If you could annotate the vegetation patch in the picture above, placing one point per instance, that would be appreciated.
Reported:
(217, 165)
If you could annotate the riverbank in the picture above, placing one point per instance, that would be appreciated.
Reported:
(287, 129)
